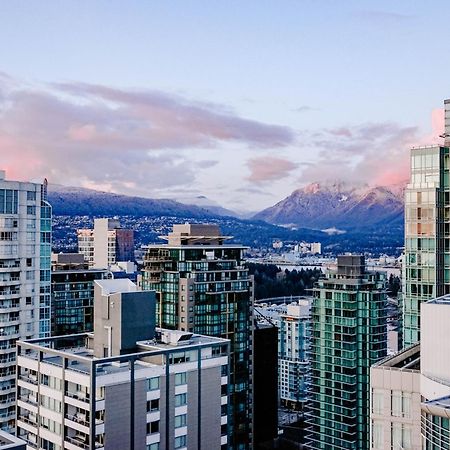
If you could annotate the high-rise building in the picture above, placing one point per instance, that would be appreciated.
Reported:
(349, 334)
(427, 231)
(106, 244)
(293, 322)
(25, 240)
(127, 386)
(202, 286)
(73, 293)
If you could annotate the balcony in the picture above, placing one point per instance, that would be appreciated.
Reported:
(27, 379)
(82, 420)
(80, 441)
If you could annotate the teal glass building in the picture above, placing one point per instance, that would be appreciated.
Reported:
(203, 287)
(349, 334)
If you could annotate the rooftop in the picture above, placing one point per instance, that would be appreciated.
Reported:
(7, 441)
(76, 348)
(115, 286)
(408, 358)
(444, 300)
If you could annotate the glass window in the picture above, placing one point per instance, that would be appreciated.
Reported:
(180, 441)
(377, 435)
(180, 399)
(180, 421)
(377, 401)
(153, 383)
(180, 378)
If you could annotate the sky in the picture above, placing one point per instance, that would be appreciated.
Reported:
(240, 101)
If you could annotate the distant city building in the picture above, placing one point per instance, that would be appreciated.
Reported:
(293, 322)
(25, 245)
(106, 244)
(348, 335)
(427, 231)
(72, 290)
(277, 244)
(308, 248)
(202, 286)
(126, 386)
(410, 404)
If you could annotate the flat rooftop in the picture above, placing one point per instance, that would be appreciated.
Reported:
(80, 355)
(407, 359)
(444, 300)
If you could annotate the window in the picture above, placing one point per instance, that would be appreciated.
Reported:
(180, 421)
(180, 441)
(377, 401)
(377, 435)
(28, 300)
(31, 195)
(180, 378)
(153, 383)
(400, 404)
(31, 210)
(153, 405)
(180, 399)
(153, 427)
(154, 446)
(400, 436)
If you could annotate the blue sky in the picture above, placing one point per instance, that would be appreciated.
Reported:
(335, 86)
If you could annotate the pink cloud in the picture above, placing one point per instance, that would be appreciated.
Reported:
(131, 140)
(266, 168)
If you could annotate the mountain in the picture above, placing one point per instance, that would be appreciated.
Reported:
(337, 206)
(207, 204)
(70, 201)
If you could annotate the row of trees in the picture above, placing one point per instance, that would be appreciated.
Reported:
(271, 281)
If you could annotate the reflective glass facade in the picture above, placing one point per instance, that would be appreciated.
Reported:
(349, 334)
(206, 289)
(427, 235)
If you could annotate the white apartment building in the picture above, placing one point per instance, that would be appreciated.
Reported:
(106, 244)
(410, 391)
(25, 245)
(293, 322)
(126, 386)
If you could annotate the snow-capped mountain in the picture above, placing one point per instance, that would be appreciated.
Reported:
(337, 205)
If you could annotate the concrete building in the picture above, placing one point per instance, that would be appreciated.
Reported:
(202, 286)
(349, 334)
(25, 240)
(106, 244)
(395, 402)
(127, 386)
(293, 322)
(427, 231)
(410, 405)
(72, 290)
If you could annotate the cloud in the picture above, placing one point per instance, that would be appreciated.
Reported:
(129, 141)
(267, 168)
(304, 108)
(373, 153)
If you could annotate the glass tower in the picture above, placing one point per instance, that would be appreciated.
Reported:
(203, 287)
(349, 334)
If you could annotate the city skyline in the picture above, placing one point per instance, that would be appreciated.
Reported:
(241, 103)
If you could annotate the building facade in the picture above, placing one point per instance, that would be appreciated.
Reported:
(410, 404)
(126, 386)
(25, 240)
(72, 290)
(294, 326)
(427, 231)
(349, 334)
(106, 244)
(395, 402)
(203, 287)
